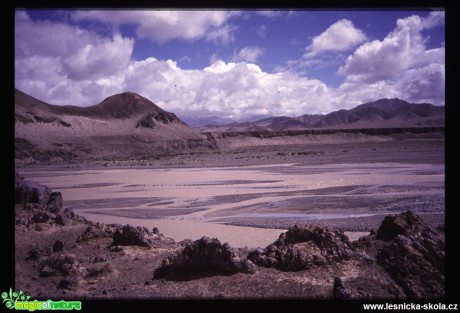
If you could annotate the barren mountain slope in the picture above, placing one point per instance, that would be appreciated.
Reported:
(383, 113)
(123, 125)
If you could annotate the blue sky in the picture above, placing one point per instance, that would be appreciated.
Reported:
(230, 63)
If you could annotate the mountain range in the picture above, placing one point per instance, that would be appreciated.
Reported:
(128, 125)
(383, 113)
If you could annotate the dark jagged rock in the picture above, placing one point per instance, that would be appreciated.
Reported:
(98, 230)
(203, 257)
(69, 282)
(128, 235)
(35, 252)
(55, 202)
(37, 214)
(133, 236)
(43, 217)
(116, 249)
(71, 215)
(40, 204)
(99, 259)
(302, 247)
(30, 191)
(23, 221)
(58, 246)
(99, 270)
(61, 219)
(338, 290)
(415, 258)
(148, 120)
(405, 224)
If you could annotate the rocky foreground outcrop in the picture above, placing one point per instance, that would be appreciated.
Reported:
(39, 204)
(413, 254)
(136, 236)
(408, 250)
(302, 247)
(203, 257)
(404, 258)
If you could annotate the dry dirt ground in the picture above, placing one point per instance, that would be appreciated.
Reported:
(129, 272)
(428, 148)
(106, 272)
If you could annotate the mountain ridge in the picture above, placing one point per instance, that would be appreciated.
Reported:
(123, 105)
(127, 125)
(122, 125)
(382, 113)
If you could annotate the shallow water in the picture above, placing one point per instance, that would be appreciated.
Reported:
(276, 191)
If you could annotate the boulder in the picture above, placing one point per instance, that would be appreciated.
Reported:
(134, 236)
(58, 246)
(36, 252)
(55, 202)
(405, 224)
(23, 221)
(29, 191)
(415, 258)
(302, 247)
(98, 230)
(42, 205)
(338, 290)
(69, 282)
(42, 217)
(61, 219)
(99, 270)
(203, 257)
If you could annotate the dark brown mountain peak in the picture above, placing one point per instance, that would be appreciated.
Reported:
(385, 104)
(124, 105)
(119, 106)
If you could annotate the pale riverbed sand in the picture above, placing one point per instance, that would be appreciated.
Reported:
(235, 236)
(274, 190)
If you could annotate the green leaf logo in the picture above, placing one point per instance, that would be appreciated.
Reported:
(12, 297)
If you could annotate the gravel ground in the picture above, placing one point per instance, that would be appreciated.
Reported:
(357, 224)
(403, 150)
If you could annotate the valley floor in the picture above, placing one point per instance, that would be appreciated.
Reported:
(350, 186)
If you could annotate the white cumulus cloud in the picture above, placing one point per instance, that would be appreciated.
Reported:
(340, 36)
(248, 54)
(164, 25)
(400, 63)
(63, 64)
(90, 67)
(229, 89)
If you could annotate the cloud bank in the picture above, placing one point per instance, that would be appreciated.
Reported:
(161, 26)
(61, 63)
(400, 64)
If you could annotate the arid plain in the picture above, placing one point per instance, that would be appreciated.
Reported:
(351, 186)
(123, 199)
